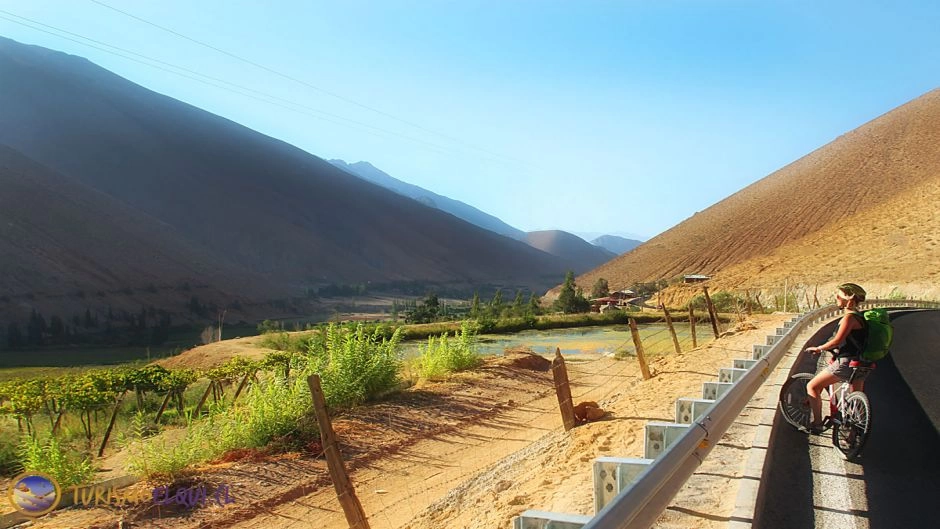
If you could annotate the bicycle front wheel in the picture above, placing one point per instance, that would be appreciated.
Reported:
(851, 434)
(794, 402)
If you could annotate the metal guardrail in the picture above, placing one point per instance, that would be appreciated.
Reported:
(641, 504)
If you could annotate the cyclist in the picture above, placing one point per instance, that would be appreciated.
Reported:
(846, 346)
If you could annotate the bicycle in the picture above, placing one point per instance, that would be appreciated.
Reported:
(849, 411)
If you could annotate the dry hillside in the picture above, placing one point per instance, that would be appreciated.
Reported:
(124, 191)
(862, 208)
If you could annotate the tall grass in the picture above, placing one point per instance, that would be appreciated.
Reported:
(272, 408)
(50, 458)
(443, 355)
(355, 365)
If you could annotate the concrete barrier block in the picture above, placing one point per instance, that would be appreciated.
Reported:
(730, 374)
(659, 436)
(549, 520)
(760, 351)
(740, 363)
(713, 390)
(613, 475)
(688, 410)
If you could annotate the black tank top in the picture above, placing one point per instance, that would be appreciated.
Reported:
(855, 341)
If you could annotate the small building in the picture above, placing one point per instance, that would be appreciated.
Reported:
(623, 295)
(602, 304)
(695, 278)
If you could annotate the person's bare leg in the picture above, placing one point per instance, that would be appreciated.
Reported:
(814, 389)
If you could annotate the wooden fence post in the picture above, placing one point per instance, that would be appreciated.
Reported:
(107, 433)
(58, 420)
(345, 493)
(203, 399)
(241, 386)
(711, 312)
(692, 325)
(640, 355)
(672, 330)
(166, 400)
(816, 299)
(563, 390)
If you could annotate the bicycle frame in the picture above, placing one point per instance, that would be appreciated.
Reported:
(849, 411)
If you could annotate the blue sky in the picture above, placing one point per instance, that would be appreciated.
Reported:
(587, 116)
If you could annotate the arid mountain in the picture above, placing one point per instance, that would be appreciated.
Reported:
(862, 208)
(455, 207)
(616, 244)
(579, 254)
(212, 198)
(78, 246)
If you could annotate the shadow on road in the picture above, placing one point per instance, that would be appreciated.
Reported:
(899, 465)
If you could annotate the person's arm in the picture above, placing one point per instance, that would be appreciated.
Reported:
(846, 326)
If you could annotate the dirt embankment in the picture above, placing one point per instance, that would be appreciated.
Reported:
(470, 453)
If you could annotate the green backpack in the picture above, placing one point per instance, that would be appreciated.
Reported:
(880, 334)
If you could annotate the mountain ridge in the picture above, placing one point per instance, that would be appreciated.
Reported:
(831, 188)
(457, 208)
(268, 210)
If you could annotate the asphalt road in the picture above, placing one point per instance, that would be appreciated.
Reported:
(806, 483)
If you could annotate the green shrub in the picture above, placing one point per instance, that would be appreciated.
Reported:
(355, 365)
(272, 408)
(443, 356)
(50, 458)
(9, 459)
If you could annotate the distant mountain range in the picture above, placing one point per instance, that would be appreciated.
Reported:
(429, 198)
(616, 244)
(116, 196)
(579, 255)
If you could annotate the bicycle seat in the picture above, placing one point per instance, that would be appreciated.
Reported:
(861, 363)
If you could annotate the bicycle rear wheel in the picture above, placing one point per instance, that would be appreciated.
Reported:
(794, 402)
(851, 434)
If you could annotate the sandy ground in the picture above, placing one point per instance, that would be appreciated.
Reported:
(476, 451)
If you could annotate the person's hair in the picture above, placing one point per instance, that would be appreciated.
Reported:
(849, 291)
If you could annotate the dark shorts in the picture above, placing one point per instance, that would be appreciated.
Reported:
(840, 367)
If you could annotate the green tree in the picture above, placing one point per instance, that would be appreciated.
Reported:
(600, 289)
(475, 306)
(534, 308)
(35, 328)
(14, 335)
(571, 299)
(517, 304)
(496, 306)
(56, 328)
